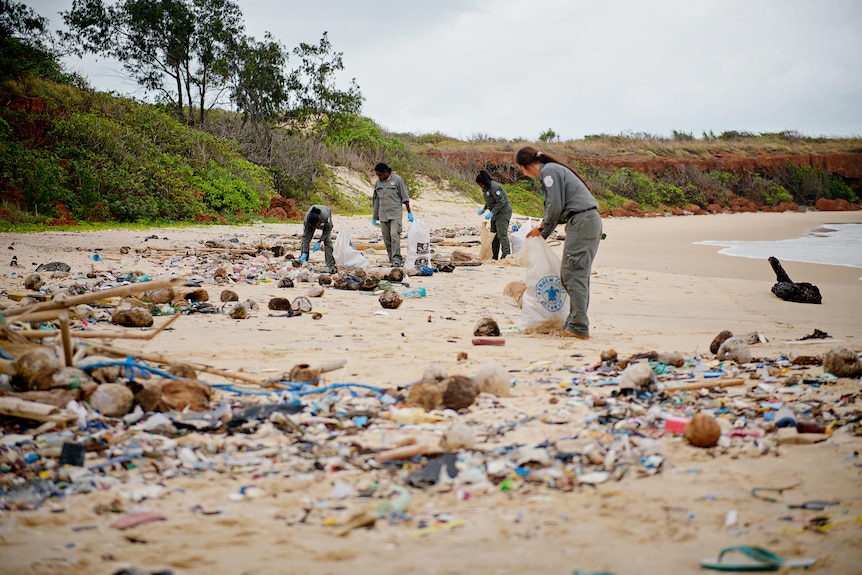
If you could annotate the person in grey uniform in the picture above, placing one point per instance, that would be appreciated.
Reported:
(389, 193)
(499, 212)
(567, 200)
(318, 218)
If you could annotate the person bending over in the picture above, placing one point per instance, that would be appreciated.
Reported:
(567, 200)
(318, 218)
(499, 212)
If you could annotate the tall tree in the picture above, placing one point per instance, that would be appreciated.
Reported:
(318, 106)
(259, 86)
(21, 46)
(166, 46)
(218, 33)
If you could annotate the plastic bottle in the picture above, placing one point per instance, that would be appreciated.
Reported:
(415, 292)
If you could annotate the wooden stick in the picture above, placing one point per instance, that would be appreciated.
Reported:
(74, 300)
(41, 333)
(457, 263)
(363, 247)
(22, 408)
(704, 384)
(67, 339)
(403, 452)
(40, 316)
(161, 359)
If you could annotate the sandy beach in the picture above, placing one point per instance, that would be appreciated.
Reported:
(653, 289)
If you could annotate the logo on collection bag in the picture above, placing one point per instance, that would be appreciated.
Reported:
(422, 252)
(550, 293)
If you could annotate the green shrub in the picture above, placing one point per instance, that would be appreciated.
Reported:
(805, 183)
(839, 190)
(633, 185)
(525, 197)
(670, 195)
(108, 158)
(37, 175)
(695, 195)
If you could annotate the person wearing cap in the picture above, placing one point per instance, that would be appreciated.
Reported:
(499, 212)
(389, 193)
(567, 200)
(319, 217)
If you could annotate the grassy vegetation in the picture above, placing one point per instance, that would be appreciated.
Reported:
(97, 157)
(94, 157)
(635, 144)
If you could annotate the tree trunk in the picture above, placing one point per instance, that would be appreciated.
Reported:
(189, 94)
(315, 152)
(202, 89)
(180, 113)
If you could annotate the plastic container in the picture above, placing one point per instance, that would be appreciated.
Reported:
(415, 292)
(675, 424)
(785, 417)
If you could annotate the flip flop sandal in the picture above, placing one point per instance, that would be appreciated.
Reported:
(754, 559)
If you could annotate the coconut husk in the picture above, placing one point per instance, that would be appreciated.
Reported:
(426, 395)
(132, 317)
(390, 300)
(460, 392)
(180, 394)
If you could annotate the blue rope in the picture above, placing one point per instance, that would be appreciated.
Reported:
(130, 366)
(233, 389)
(339, 386)
(297, 388)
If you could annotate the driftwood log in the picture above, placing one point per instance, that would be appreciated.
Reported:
(788, 290)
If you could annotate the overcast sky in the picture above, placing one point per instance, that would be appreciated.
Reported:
(513, 69)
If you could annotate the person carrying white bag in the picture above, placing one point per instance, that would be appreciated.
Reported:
(567, 200)
(544, 303)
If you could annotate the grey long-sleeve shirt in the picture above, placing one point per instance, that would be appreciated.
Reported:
(325, 216)
(564, 192)
(388, 196)
(496, 199)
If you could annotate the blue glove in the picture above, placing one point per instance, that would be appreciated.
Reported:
(410, 217)
(316, 247)
(480, 212)
(303, 258)
(373, 222)
(489, 215)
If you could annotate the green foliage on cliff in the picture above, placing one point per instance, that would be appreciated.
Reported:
(101, 157)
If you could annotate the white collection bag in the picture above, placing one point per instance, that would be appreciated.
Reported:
(418, 246)
(545, 304)
(344, 252)
(516, 239)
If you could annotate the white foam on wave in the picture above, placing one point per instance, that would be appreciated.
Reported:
(829, 244)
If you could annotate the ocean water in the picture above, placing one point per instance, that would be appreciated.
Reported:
(831, 244)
